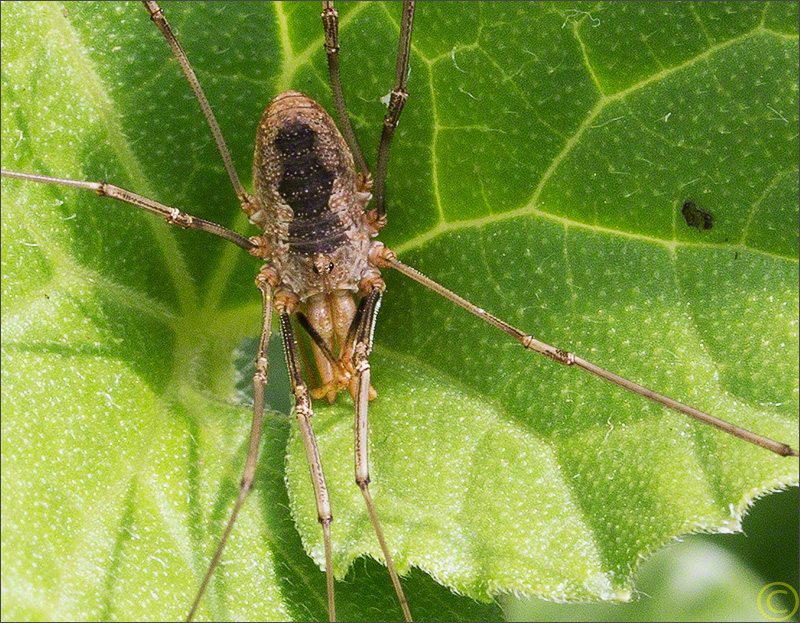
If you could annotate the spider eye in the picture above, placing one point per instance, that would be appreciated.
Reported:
(330, 267)
(315, 268)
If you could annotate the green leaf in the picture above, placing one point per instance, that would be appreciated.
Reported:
(539, 169)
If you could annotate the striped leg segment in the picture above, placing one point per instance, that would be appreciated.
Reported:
(361, 350)
(259, 383)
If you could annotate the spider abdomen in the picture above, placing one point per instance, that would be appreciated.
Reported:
(311, 209)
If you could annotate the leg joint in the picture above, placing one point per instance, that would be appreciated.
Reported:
(156, 13)
(556, 354)
(396, 103)
(360, 361)
(380, 255)
(245, 484)
(565, 357)
(285, 301)
(375, 222)
(330, 21)
(372, 281)
(176, 217)
(261, 249)
(267, 275)
(260, 376)
(302, 402)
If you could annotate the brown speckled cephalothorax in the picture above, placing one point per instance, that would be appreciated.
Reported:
(321, 268)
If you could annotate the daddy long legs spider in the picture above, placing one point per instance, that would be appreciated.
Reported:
(473, 236)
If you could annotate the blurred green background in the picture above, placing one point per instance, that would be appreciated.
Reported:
(705, 578)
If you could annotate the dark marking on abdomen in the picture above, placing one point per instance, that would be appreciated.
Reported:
(306, 187)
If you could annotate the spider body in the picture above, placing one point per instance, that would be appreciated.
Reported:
(310, 203)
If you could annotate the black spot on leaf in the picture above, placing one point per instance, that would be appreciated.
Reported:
(696, 217)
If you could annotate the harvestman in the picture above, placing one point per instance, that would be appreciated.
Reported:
(321, 266)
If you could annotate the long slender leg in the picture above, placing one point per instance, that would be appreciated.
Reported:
(259, 382)
(330, 24)
(247, 201)
(302, 407)
(396, 103)
(383, 257)
(346, 348)
(362, 348)
(172, 216)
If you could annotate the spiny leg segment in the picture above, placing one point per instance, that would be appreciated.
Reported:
(259, 383)
(247, 201)
(304, 414)
(383, 257)
(396, 102)
(399, 94)
(361, 351)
